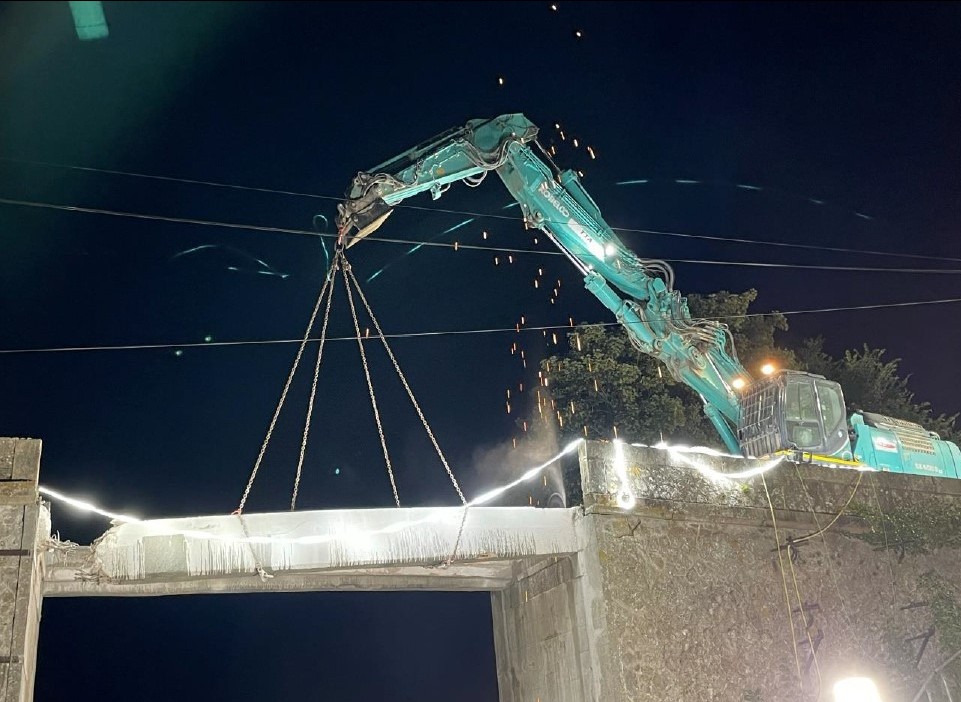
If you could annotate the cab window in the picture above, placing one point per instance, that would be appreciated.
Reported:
(832, 407)
(801, 424)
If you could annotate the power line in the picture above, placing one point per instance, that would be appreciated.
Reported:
(455, 246)
(486, 215)
(461, 332)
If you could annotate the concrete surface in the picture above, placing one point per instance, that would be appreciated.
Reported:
(24, 528)
(670, 583)
(321, 550)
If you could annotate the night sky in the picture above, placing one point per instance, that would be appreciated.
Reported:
(844, 119)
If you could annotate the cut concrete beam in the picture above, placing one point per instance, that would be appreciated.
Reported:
(334, 549)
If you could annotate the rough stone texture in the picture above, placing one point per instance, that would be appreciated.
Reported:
(694, 604)
(24, 524)
(690, 594)
(540, 636)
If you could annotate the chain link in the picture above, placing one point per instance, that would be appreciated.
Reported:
(410, 392)
(283, 396)
(313, 386)
(370, 387)
(460, 533)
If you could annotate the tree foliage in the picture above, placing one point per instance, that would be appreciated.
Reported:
(603, 382)
(873, 384)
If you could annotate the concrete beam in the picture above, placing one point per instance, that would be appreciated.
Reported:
(373, 549)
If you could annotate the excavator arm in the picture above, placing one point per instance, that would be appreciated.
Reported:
(640, 292)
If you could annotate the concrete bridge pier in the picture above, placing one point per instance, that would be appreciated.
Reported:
(24, 528)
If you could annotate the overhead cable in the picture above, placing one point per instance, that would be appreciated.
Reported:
(457, 245)
(461, 332)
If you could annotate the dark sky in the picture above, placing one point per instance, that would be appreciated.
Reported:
(845, 115)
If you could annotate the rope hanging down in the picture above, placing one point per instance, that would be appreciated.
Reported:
(370, 385)
(410, 393)
(313, 388)
(328, 283)
(340, 264)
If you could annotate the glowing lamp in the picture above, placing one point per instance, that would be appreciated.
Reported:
(768, 369)
(739, 383)
(856, 690)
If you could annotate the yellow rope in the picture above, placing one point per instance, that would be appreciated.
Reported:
(787, 597)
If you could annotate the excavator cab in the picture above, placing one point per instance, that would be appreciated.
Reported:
(792, 410)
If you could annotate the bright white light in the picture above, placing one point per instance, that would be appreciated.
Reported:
(86, 506)
(768, 369)
(610, 249)
(441, 514)
(709, 472)
(625, 496)
(738, 383)
(532, 473)
(856, 690)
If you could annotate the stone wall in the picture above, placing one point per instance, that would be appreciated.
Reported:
(24, 524)
(693, 605)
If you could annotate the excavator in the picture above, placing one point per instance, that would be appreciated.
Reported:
(788, 412)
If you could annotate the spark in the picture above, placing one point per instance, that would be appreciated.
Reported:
(590, 151)
(418, 247)
(639, 181)
(747, 187)
(261, 267)
(578, 34)
(500, 81)
(575, 142)
(554, 7)
(683, 181)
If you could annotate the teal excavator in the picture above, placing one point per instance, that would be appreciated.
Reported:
(786, 413)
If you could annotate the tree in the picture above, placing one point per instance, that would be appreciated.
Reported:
(603, 382)
(872, 384)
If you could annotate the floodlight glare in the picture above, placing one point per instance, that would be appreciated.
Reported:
(856, 690)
